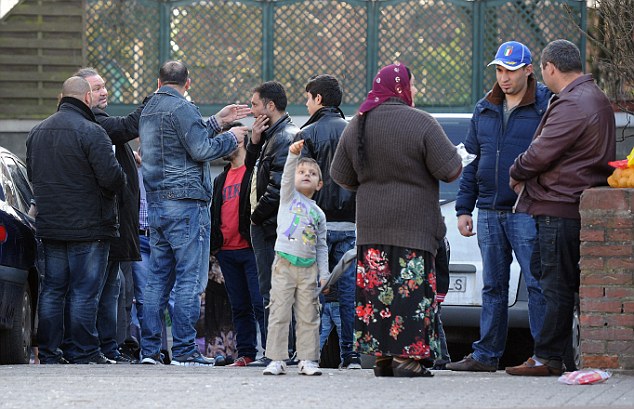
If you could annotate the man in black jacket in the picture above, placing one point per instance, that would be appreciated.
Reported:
(75, 177)
(113, 322)
(322, 133)
(273, 133)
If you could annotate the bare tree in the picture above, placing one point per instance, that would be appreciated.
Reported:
(611, 41)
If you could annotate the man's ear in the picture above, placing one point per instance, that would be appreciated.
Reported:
(88, 99)
(318, 99)
(188, 83)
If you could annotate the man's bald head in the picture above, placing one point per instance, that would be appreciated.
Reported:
(77, 87)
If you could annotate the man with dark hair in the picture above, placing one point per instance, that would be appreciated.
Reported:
(569, 154)
(113, 319)
(502, 126)
(273, 133)
(75, 177)
(322, 133)
(177, 145)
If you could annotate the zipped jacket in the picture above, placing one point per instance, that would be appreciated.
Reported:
(485, 181)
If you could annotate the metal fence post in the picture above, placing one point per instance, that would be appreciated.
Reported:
(372, 56)
(268, 31)
(477, 71)
(165, 17)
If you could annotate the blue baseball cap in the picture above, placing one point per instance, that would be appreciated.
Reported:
(512, 55)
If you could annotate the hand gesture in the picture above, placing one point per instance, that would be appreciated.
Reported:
(240, 132)
(465, 225)
(260, 125)
(296, 147)
(232, 113)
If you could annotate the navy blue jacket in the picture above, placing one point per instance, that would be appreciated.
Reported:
(486, 179)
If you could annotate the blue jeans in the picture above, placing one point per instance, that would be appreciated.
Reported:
(179, 242)
(264, 250)
(329, 316)
(73, 276)
(107, 312)
(339, 242)
(556, 258)
(499, 233)
(240, 272)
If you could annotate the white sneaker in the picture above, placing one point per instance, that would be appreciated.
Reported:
(275, 368)
(309, 368)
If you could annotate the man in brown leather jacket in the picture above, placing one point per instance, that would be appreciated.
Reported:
(569, 153)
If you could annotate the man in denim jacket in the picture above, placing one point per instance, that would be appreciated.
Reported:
(177, 145)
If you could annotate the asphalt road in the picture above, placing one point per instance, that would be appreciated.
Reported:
(143, 386)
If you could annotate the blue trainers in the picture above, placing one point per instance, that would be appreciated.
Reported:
(195, 359)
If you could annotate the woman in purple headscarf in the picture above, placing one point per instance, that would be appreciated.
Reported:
(393, 156)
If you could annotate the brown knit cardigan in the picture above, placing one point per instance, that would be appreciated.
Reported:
(406, 153)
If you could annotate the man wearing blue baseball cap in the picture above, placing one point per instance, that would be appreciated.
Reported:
(502, 127)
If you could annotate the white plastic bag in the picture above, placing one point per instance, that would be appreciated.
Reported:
(467, 157)
(584, 377)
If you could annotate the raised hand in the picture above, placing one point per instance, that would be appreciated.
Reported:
(260, 125)
(232, 113)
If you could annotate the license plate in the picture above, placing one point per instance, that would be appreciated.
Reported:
(457, 284)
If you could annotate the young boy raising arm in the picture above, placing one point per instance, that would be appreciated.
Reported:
(301, 260)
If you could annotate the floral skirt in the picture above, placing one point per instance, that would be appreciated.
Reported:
(396, 303)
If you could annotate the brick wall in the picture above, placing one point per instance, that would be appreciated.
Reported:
(607, 278)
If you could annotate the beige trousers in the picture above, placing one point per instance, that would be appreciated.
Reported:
(293, 289)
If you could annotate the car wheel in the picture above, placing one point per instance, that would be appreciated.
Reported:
(15, 343)
(572, 356)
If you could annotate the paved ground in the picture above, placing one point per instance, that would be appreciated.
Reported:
(141, 386)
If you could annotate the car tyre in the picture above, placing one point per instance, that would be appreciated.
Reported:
(15, 343)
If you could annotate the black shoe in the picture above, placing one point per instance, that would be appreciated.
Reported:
(293, 359)
(410, 368)
(156, 359)
(55, 361)
(469, 364)
(123, 359)
(262, 362)
(351, 362)
(98, 359)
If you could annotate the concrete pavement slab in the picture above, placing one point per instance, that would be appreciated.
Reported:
(144, 386)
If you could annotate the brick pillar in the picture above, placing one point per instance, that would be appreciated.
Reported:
(607, 278)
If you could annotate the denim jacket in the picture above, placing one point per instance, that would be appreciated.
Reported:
(177, 145)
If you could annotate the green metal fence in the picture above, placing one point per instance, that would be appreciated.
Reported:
(232, 46)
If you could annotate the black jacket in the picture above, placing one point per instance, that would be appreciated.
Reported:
(271, 155)
(75, 176)
(122, 129)
(321, 135)
(244, 208)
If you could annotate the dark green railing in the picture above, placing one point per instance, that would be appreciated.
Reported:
(232, 46)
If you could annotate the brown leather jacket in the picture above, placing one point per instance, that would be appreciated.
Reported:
(569, 152)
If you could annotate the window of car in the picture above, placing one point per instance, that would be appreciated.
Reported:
(20, 183)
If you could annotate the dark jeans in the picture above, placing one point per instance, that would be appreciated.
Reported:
(264, 250)
(73, 276)
(107, 313)
(339, 242)
(556, 260)
(247, 308)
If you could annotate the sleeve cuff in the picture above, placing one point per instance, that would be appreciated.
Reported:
(213, 122)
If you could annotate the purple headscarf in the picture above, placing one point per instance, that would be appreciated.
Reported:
(392, 81)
